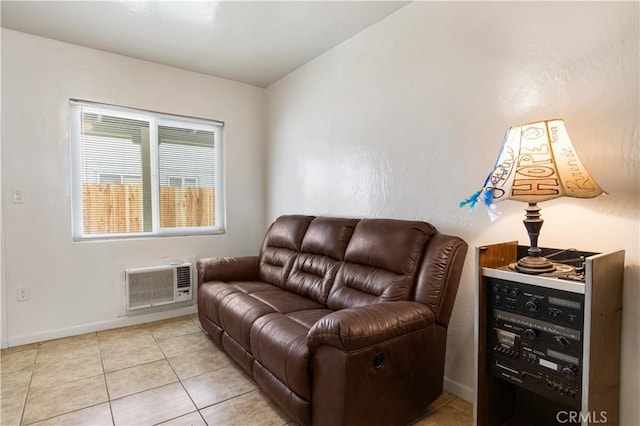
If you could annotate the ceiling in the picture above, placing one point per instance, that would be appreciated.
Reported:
(252, 42)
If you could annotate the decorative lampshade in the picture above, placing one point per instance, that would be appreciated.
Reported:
(537, 162)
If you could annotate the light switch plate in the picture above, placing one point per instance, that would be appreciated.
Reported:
(17, 196)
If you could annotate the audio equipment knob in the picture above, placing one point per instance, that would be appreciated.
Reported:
(563, 340)
(530, 333)
(532, 305)
(570, 371)
(496, 288)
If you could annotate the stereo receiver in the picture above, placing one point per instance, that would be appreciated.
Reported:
(535, 338)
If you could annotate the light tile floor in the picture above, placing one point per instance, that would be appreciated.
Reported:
(166, 372)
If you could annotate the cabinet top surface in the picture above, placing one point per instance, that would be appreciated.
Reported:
(537, 280)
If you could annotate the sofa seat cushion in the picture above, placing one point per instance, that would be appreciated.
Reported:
(250, 287)
(210, 294)
(237, 310)
(309, 318)
(279, 343)
(285, 302)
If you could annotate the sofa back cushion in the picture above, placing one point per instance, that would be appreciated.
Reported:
(380, 262)
(280, 248)
(322, 250)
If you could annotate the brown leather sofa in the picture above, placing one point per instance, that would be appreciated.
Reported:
(340, 321)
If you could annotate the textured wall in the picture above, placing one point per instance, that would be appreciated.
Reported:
(405, 120)
(74, 286)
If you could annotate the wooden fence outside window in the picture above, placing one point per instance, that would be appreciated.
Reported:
(109, 209)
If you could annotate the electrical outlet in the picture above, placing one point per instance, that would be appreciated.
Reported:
(22, 294)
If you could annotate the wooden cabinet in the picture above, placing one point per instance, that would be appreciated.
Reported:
(539, 382)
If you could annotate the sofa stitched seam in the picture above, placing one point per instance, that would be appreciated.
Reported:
(257, 354)
(286, 359)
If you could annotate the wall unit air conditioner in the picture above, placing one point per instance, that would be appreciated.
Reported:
(158, 285)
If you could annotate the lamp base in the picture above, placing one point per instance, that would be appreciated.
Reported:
(534, 265)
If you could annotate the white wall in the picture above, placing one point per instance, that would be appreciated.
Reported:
(405, 120)
(74, 285)
(3, 288)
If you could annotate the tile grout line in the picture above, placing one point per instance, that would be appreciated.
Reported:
(448, 404)
(179, 381)
(72, 411)
(201, 330)
(109, 399)
(104, 376)
(26, 397)
(113, 419)
(103, 373)
(64, 414)
(230, 398)
(198, 409)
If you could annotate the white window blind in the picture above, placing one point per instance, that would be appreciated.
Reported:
(186, 161)
(139, 173)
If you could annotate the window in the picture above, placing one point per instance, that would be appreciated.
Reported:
(106, 178)
(183, 181)
(138, 173)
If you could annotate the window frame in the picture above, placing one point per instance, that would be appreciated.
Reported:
(154, 119)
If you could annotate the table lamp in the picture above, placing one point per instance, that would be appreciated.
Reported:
(537, 162)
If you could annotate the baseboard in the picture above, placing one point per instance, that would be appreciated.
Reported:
(458, 389)
(99, 326)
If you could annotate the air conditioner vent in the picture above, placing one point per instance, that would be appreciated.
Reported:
(184, 276)
(159, 285)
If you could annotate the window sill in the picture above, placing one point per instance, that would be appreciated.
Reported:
(145, 236)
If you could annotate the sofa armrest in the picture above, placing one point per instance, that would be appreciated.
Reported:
(356, 328)
(439, 275)
(228, 269)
